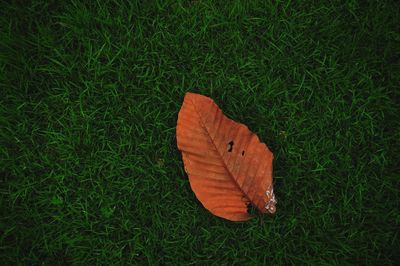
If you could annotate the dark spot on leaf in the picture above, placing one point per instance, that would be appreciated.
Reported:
(230, 146)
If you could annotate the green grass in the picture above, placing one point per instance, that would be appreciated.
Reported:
(90, 172)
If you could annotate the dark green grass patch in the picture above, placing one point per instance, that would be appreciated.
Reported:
(90, 92)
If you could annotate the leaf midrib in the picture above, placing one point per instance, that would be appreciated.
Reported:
(212, 141)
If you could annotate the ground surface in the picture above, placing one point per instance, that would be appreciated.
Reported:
(90, 93)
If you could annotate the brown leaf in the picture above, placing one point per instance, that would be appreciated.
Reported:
(227, 165)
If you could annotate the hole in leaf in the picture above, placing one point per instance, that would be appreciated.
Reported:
(230, 146)
(251, 209)
(242, 153)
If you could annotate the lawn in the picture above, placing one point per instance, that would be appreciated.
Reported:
(90, 92)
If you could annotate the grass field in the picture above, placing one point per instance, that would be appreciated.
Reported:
(90, 92)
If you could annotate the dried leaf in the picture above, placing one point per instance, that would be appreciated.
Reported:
(227, 165)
